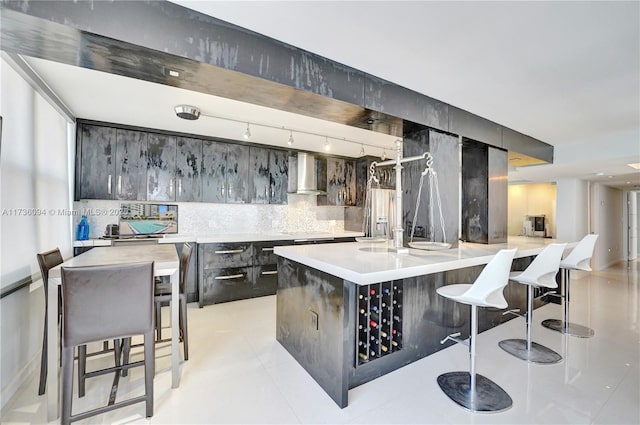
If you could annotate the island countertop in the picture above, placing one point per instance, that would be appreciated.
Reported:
(367, 263)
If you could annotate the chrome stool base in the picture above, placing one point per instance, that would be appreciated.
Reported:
(537, 354)
(489, 396)
(572, 329)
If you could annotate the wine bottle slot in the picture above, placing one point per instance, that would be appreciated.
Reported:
(394, 343)
(383, 334)
(363, 356)
(384, 348)
(373, 324)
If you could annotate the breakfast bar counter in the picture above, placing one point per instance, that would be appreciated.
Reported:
(351, 312)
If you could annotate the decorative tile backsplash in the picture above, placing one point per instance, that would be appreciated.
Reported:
(200, 219)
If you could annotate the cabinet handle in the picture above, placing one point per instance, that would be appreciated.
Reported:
(171, 186)
(267, 249)
(229, 251)
(179, 187)
(233, 276)
(119, 184)
(271, 272)
(222, 189)
(109, 185)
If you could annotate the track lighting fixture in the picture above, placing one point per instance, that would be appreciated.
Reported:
(384, 155)
(327, 146)
(290, 141)
(361, 150)
(247, 133)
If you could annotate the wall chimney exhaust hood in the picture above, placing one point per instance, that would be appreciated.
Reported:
(302, 175)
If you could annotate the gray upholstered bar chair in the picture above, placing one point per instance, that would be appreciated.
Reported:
(470, 390)
(163, 294)
(47, 260)
(578, 259)
(102, 303)
(540, 273)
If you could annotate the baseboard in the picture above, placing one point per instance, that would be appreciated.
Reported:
(9, 390)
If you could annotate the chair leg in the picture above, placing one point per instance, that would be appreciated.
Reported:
(67, 385)
(126, 353)
(183, 327)
(43, 356)
(158, 321)
(82, 369)
(149, 371)
(565, 326)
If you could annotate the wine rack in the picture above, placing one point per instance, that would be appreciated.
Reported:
(379, 312)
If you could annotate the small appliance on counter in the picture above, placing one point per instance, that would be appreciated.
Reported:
(112, 231)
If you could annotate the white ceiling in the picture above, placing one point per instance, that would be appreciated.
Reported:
(567, 73)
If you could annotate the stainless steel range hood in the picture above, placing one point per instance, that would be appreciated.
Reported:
(303, 175)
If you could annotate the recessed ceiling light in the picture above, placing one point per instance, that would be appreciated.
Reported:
(635, 165)
(599, 174)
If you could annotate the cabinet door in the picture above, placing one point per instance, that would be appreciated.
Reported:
(161, 167)
(350, 183)
(237, 174)
(278, 176)
(259, 175)
(335, 181)
(98, 165)
(131, 165)
(188, 168)
(214, 166)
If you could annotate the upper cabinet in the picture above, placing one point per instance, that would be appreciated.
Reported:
(225, 172)
(188, 170)
(268, 172)
(341, 183)
(118, 163)
(161, 168)
(113, 163)
(278, 176)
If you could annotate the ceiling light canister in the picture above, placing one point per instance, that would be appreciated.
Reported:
(327, 146)
(247, 133)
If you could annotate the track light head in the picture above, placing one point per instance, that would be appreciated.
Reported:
(290, 141)
(187, 112)
(247, 133)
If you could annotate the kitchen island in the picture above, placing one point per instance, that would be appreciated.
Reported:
(351, 312)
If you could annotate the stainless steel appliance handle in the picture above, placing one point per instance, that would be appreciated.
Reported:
(271, 272)
(267, 249)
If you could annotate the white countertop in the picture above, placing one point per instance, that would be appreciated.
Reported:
(367, 263)
(232, 237)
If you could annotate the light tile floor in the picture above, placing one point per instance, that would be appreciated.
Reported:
(238, 373)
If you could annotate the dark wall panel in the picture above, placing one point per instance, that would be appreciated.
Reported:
(474, 192)
(474, 127)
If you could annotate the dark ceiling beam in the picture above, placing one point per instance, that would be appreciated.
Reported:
(225, 60)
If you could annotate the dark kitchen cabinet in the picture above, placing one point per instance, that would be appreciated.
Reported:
(259, 175)
(113, 163)
(237, 174)
(225, 271)
(131, 165)
(268, 172)
(340, 183)
(188, 170)
(97, 164)
(278, 176)
(225, 172)
(161, 166)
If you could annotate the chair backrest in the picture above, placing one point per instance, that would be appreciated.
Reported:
(106, 302)
(48, 260)
(580, 257)
(487, 288)
(543, 269)
(185, 259)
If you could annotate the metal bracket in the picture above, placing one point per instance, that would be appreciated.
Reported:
(515, 312)
(454, 337)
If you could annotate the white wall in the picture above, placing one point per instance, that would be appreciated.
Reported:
(531, 199)
(572, 209)
(35, 185)
(608, 222)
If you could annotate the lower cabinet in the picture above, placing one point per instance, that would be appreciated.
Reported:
(239, 270)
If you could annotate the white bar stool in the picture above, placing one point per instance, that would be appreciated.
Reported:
(541, 272)
(578, 259)
(470, 390)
